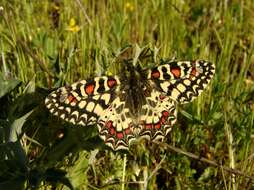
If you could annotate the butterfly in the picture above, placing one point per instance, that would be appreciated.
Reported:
(136, 103)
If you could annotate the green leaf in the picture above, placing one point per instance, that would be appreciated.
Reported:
(16, 127)
(8, 85)
(77, 172)
(53, 175)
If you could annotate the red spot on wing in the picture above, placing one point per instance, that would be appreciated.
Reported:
(162, 97)
(111, 83)
(112, 131)
(165, 113)
(155, 74)
(109, 124)
(193, 72)
(127, 131)
(71, 98)
(149, 126)
(176, 71)
(119, 135)
(89, 89)
(163, 120)
(157, 126)
(164, 117)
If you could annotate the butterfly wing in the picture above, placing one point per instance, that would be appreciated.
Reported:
(118, 128)
(158, 116)
(84, 101)
(182, 81)
(116, 125)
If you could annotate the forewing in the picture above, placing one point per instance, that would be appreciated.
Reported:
(158, 116)
(182, 81)
(116, 126)
(84, 101)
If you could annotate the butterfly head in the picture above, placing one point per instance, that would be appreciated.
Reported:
(133, 75)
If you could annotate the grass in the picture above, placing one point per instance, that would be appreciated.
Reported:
(45, 45)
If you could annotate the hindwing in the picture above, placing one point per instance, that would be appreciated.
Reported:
(116, 126)
(158, 116)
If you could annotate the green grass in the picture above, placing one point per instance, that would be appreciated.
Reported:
(41, 50)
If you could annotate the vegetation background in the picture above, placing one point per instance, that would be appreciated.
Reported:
(46, 44)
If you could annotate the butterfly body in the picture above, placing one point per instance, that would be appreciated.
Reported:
(136, 103)
(134, 88)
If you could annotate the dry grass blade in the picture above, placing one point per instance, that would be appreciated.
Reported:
(202, 159)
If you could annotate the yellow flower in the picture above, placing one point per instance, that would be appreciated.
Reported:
(129, 7)
(73, 27)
